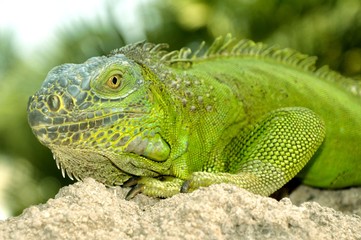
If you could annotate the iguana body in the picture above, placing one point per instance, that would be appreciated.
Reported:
(237, 112)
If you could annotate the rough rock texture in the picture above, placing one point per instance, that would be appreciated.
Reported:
(346, 200)
(88, 210)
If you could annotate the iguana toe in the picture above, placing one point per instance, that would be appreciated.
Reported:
(134, 191)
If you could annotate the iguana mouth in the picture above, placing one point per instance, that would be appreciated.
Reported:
(55, 131)
(37, 119)
(57, 125)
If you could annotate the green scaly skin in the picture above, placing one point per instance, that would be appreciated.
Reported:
(238, 112)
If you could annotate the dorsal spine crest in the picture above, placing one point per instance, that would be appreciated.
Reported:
(154, 55)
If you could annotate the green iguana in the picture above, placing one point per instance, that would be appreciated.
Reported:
(237, 112)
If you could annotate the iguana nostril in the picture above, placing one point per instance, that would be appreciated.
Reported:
(53, 103)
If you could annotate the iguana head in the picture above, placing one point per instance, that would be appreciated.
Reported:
(91, 115)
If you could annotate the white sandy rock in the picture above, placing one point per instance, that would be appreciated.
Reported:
(89, 210)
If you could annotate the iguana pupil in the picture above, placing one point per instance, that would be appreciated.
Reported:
(114, 81)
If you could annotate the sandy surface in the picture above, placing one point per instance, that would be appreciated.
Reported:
(89, 210)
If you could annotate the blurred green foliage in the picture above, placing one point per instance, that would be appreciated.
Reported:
(329, 29)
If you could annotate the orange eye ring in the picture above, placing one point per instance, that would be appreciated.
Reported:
(114, 81)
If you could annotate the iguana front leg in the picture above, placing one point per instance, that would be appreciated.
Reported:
(273, 153)
(277, 148)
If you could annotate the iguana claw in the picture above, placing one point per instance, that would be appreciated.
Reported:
(135, 187)
(134, 191)
(185, 186)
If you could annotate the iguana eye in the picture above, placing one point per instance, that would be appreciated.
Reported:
(114, 81)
